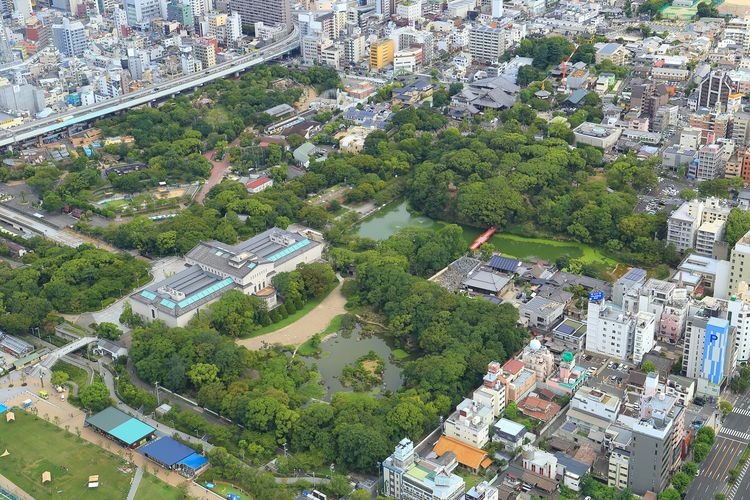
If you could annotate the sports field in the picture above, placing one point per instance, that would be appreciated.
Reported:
(151, 488)
(36, 446)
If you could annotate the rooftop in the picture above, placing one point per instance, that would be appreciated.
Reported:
(473, 458)
(184, 291)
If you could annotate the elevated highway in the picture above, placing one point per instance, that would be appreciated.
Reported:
(167, 88)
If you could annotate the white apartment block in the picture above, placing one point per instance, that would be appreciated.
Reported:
(492, 391)
(739, 263)
(610, 330)
(738, 307)
(470, 423)
(684, 223)
(643, 335)
(708, 234)
(486, 43)
(710, 162)
(410, 10)
(619, 468)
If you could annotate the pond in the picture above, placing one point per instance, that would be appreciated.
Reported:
(398, 215)
(339, 351)
(390, 219)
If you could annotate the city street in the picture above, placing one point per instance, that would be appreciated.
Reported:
(731, 440)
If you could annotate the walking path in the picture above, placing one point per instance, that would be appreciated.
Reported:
(304, 328)
(136, 482)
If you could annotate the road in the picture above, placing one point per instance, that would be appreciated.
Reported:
(731, 440)
(217, 171)
(168, 88)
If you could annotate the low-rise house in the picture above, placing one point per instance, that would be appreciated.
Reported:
(538, 408)
(571, 471)
(541, 313)
(302, 155)
(508, 432)
(259, 184)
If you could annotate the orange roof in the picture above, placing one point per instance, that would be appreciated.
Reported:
(513, 366)
(466, 455)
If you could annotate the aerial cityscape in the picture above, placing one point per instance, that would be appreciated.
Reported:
(375, 249)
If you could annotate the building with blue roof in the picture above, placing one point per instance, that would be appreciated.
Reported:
(215, 268)
(120, 427)
(173, 455)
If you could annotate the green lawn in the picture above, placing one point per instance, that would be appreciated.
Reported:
(152, 488)
(77, 375)
(36, 446)
(289, 319)
(549, 250)
(399, 354)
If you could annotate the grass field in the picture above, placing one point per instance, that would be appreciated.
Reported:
(151, 488)
(289, 319)
(36, 446)
(399, 354)
(549, 250)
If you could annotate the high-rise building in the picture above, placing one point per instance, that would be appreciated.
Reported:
(741, 128)
(714, 90)
(69, 37)
(738, 314)
(410, 10)
(143, 12)
(354, 49)
(613, 331)
(407, 477)
(22, 9)
(739, 263)
(497, 9)
(269, 12)
(657, 432)
(182, 12)
(709, 353)
(709, 163)
(381, 54)
(486, 43)
(205, 52)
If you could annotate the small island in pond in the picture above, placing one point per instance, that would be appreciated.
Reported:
(365, 373)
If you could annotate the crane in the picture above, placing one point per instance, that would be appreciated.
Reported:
(565, 63)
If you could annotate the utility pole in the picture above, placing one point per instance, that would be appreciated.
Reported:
(157, 393)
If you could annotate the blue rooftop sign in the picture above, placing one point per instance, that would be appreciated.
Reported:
(596, 296)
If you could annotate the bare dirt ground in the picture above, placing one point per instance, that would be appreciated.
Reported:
(304, 328)
(308, 96)
(735, 7)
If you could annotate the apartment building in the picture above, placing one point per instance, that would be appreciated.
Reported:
(684, 223)
(592, 409)
(738, 309)
(709, 354)
(492, 391)
(739, 263)
(486, 43)
(709, 163)
(614, 332)
(646, 448)
(615, 52)
(381, 54)
(470, 423)
(269, 12)
(406, 476)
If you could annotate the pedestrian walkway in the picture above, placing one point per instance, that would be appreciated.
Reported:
(744, 436)
(136, 482)
(741, 411)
